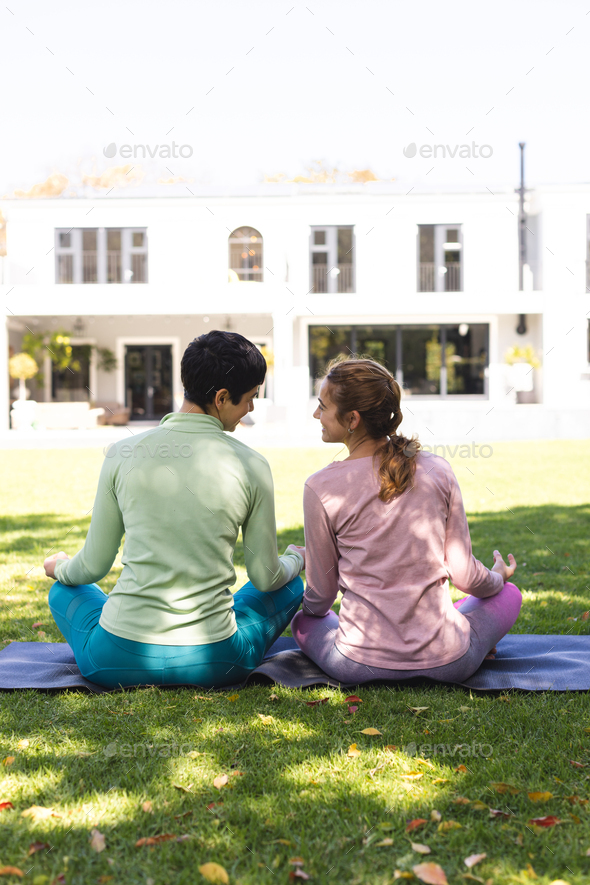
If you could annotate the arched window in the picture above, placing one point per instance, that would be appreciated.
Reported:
(245, 256)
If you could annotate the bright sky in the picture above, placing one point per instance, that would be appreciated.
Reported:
(267, 86)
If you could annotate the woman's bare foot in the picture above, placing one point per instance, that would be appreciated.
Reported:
(491, 655)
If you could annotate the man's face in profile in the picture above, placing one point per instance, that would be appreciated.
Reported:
(229, 414)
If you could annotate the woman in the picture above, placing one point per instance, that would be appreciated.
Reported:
(180, 494)
(387, 528)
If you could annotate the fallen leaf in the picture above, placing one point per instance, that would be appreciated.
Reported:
(540, 797)
(500, 787)
(6, 806)
(461, 800)
(496, 812)
(576, 800)
(37, 624)
(440, 780)
(473, 878)
(147, 807)
(37, 846)
(11, 871)
(464, 709)
(8, 761)
(201, 697)
(316, 703)
(414, 824)
(59, 880)
(585, 616)
(298, 874)
(473, 859)
(370, 731)
(220, 781)
(97, 840)
(435, 816)
(413, 775)
(431, 873)
(383, 843)
(186, 789)
(530, 871)
(548, 821)
(22, 745)
(155, 840)
(266, 719)
(212, 805)
(462, 769)
(576, 819)
(398, 874)
(577, 764)
(420, 849)
(352, 709)
(38, 812)
(273, 697)
(447, 825)
(41, 880)
(353, 751)
(296, 861)
(233, 697)
(478, 805)
(280, 842)
(215, 873)
(418, 709)
(180, 816)
(354, 699)
(426, 763)
(391, 748)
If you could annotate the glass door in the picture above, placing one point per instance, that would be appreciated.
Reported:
(148, 381)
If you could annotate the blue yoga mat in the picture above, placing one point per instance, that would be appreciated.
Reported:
(524, 661)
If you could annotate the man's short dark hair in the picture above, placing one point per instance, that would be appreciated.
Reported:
(220, 360)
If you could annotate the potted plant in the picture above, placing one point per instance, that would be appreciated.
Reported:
(22, 367)
(522, 361)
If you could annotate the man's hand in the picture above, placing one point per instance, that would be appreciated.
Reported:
(300, 550)
(500, 566)
(49, 564)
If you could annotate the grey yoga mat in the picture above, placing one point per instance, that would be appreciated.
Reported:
(524, 661)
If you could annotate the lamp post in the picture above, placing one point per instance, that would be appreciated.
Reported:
(521, 328)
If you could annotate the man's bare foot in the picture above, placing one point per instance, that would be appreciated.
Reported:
(491, 655)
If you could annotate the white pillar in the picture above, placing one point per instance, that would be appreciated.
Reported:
(4, 376)
(282, 332)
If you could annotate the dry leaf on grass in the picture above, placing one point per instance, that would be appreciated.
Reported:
(540, 797)
(38, 812)
(478, 805)
(353, 751)
(97, 840)
(316, 703)
(371, 731)
(413, 775)
(215, 873)
(37, 846)
(496, 812)
(220, 781)
(353, 699)
(383, 843)
(6, 806)
(298, 874)
(576, 800)
(266, 719)
(156, 840)
(8, 761)
(447, 825)
(431, 873)
(22, 745)
(414, 824)
(147, 807)
(473, 859)
(184, 789)
(462, 800)
(501, 787)
(440, 780)
(420, 849)
(548, 821)
(462, 769)
(417, 710)
(577, 764)
(11, 871)
(233, 697)
(435, 816)
(352, 709)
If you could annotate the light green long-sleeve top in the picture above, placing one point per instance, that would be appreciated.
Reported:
(180, 493)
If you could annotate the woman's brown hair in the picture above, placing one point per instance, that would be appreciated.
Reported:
(367, 387)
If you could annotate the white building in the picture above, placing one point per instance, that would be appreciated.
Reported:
(427, 282)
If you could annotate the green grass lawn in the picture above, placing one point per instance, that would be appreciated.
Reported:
(142, 763)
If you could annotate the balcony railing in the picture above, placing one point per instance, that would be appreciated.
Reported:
(113, 267)
(428, 277)
(65, 268)
(89, 267)
(139, 268)
(344, 274)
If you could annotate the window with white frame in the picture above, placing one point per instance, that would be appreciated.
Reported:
(245, 256)
(101, 255)
(332, 259)
(440, 263)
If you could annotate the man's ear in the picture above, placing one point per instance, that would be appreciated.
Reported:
(221, 398)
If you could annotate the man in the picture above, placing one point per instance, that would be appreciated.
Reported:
(180, 494)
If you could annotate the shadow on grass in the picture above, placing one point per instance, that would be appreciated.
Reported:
(33, 532)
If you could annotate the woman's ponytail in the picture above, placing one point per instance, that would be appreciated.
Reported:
(367, 387)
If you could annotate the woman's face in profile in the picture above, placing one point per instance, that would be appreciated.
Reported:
(332, 429)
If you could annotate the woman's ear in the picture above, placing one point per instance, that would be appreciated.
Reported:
(354, 421)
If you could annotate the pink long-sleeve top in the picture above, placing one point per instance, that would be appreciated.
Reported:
(392, 563)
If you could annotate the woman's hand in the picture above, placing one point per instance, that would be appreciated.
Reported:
(300, 550)
(500, 566)
(49, 564)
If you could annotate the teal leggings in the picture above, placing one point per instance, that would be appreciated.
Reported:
(111, 661)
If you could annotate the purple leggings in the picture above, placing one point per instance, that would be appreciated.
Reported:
(490, 619)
